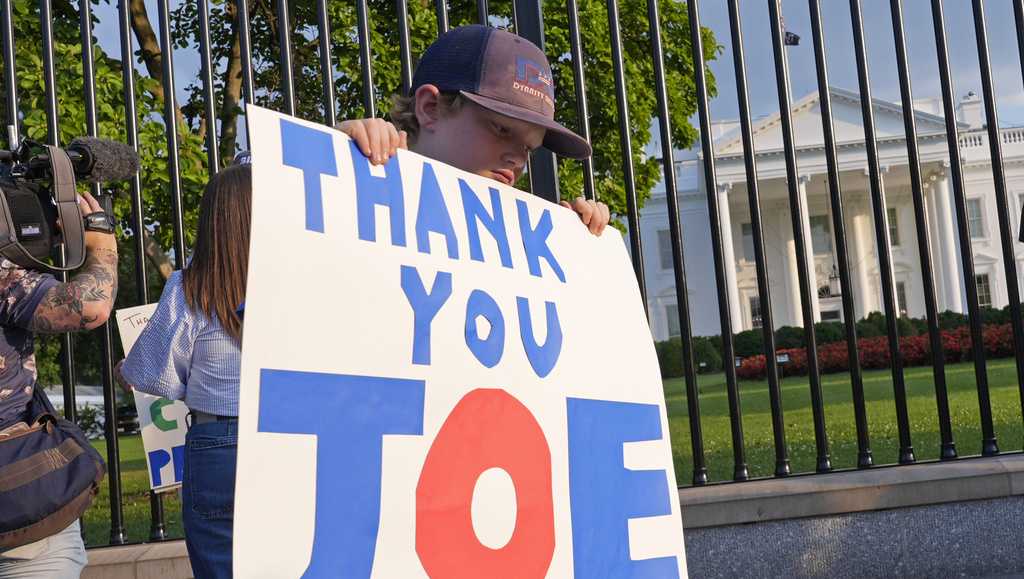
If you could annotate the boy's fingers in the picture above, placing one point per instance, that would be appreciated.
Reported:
(565, 204)
(377, 145)
(357, 132)
(396, 140)
(585, 210)
(597, 220)
(602, 218)
(403, 140)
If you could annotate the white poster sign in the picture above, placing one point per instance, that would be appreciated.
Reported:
(162, 421)
(441, 377)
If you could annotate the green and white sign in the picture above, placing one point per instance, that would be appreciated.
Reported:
(162, 420)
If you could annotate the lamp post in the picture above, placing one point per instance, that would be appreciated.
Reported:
(834, 287)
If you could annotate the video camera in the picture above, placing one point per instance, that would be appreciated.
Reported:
(39, 209)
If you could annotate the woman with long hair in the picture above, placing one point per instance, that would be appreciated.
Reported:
(191, 350)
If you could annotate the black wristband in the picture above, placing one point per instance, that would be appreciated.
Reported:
(99, 221)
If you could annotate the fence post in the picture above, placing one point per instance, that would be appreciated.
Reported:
(543, 168)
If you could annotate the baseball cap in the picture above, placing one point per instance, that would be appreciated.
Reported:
(503, 73)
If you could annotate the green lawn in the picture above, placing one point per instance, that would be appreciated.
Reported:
(881, 411)
(135, 490)
(963, 401)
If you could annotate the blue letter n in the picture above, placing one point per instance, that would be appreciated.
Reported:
(311, 151)
(349, 415)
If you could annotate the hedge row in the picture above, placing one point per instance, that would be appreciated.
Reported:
(874, 352)
(831, 340)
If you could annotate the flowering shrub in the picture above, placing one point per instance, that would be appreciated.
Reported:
(874, 352)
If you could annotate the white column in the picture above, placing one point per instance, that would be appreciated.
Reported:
(729, 256)
(888, 247)
(935, 241)
(863, 302)
(786, 224)
(952, 275)
(809, 247)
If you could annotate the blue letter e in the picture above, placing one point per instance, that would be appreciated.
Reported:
(604, 494)
(311, 151)
(349, 415)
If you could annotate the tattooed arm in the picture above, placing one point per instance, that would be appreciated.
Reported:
(85, 301)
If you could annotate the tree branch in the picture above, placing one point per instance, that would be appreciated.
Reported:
(148, 43)
(232, 89)
(156, 255)
(152, 57)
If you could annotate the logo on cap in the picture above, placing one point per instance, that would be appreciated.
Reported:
(531, 79)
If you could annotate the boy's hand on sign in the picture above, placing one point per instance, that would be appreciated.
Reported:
(378, 139)
(594, 214)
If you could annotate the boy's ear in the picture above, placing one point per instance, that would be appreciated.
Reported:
(427, 105)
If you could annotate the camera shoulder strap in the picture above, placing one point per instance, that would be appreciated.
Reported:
(64, 192)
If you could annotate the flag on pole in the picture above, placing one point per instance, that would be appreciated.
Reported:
(788, 38)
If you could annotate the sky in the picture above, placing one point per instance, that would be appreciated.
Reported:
(838, 33)
(839, 48)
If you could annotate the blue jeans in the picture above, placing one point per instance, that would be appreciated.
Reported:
(60, 556)
(208, 497)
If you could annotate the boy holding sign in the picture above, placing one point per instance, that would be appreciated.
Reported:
(481, 100)
(456, 425)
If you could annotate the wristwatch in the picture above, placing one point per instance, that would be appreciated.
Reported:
(100, 221)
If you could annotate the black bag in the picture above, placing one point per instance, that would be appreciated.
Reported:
(49, 475)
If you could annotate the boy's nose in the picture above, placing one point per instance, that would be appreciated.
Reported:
(516, 160)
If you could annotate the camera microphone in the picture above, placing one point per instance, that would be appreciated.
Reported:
(94, 161)
(99, 160)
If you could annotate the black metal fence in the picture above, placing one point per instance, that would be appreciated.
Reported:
(527, 19)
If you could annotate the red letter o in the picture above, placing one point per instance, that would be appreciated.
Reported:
(488, 428)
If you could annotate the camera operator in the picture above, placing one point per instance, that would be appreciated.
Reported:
(34, 302)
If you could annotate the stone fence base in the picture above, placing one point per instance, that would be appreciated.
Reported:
(957, 519)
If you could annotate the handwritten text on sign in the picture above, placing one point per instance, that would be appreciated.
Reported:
(441, 376)
(162, 421)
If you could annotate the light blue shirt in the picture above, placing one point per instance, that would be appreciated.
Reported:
(184, 355)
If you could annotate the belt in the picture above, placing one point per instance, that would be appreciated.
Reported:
(200, 417)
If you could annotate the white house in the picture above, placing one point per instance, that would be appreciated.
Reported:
(780, 253)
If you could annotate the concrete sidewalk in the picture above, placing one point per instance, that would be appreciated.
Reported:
(164, 560)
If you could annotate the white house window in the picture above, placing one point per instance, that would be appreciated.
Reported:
(755, 312)
(665, 248)
(672, 315)
(894, 227)
(821, 235)
(984, 290)
(831, 316)
(975, 218)
(901, 298)
(748, 241)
